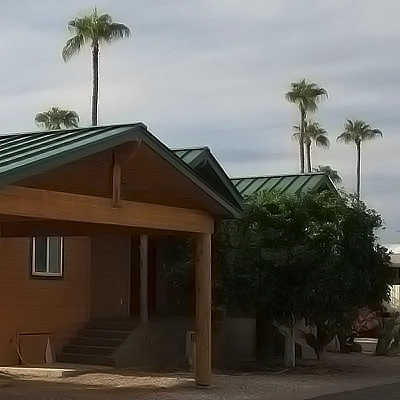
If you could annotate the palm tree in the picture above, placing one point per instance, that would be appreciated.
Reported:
(95, 29)
(307, 96)
(357, 131)
(312, 133)
(56, 117)
(328, 170)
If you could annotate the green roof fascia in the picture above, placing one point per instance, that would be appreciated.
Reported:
(104, 137)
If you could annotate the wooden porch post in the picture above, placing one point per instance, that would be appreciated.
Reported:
(144, 276)
(203, 309)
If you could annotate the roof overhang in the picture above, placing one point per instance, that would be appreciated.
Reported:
(29, 154)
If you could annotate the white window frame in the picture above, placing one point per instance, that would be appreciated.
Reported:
(48, 273)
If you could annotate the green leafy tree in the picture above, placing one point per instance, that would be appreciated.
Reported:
(56, 118)
(93, 29)
(313, 258)
(356, 132)
(313, 133)
(306, 95)
(332, 173)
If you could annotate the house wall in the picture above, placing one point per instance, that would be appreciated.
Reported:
(38, 305)
(110, 276)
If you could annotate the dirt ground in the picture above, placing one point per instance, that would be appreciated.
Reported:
(334, 373)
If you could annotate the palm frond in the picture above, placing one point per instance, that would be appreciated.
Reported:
(119, 31)
(306, 95)
(56, 117)
(94, 28)
(332, 173)
(73, 46)
(313, 132)
(322, 141)
(41, 118)
(345, 137)
(356, 131)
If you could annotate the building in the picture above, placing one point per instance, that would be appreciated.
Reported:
(79, 211)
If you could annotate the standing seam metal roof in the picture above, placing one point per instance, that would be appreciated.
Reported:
(30, 153)
(289, 184)
(202, 161)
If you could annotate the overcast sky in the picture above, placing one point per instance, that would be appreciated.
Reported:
(214, 72)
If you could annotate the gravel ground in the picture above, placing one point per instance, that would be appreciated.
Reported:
(335, 373)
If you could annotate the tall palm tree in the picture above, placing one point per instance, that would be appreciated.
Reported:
(55, 118)
(95, 29)
(312, 133)
(328, 170)
(307, 96)
(356, 132)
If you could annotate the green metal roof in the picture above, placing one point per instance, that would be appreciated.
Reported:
(289, 184)
(202, 161)
(27, 154)
(191, 156)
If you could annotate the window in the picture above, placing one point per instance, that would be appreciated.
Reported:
(47, 256)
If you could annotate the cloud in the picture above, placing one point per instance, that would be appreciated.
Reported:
(215, 72)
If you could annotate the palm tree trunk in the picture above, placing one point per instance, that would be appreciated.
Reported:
(358, 146)
(95, 93)
(308, 156)
(301, 139)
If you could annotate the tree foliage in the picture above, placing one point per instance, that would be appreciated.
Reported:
(313, 133)
(332, 173)
(307, 96)
(56, 118)
(93, 29)
(313, 257)
(356, 132)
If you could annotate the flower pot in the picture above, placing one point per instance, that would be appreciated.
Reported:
(368, 345)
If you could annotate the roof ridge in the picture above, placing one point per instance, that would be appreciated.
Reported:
(278, 175)
(190, 148)
(46, 132)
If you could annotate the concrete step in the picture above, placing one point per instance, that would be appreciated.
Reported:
(115, 334)
(92, 359)
(96, 341)
(112, 324)
(81, 349)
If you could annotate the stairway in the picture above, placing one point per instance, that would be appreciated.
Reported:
(97, 342)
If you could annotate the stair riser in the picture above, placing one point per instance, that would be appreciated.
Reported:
(96, 341)
(103, 333)
(91, 359)
(89, 350)
(111, 325)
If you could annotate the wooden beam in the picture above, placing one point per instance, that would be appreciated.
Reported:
(116, 185)
(71, 228)
(203, 309)
(144, 279)
(37, 203)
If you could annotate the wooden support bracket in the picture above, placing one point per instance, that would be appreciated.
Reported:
(116, 183)
(120, 157)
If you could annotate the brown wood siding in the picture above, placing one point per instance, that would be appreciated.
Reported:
(32, 305)
(146, 177)
(110, 276)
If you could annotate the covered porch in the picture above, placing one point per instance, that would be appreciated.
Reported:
(88, 185)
